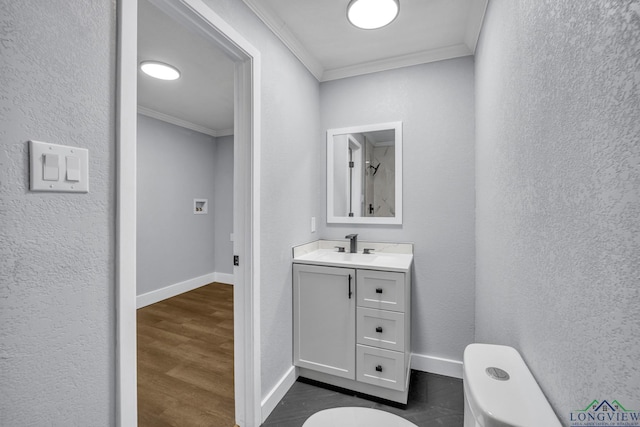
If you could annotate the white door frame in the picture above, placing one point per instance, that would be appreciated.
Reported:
(246, 205)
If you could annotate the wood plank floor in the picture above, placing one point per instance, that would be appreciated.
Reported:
(185, 360)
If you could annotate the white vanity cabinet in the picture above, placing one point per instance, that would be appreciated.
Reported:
(324, 328)
(352, 327)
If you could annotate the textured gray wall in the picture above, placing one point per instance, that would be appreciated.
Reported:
(558, 176)
(175, 166)
(291, 164)
(223, 187)
(435, 103)
(57, 84)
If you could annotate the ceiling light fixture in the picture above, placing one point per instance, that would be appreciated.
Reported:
(372, 14)
(160, 70)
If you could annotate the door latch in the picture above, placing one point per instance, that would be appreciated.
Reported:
(236, 260)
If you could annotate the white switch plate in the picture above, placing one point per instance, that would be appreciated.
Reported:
(37, 151)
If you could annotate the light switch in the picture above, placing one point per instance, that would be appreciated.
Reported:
(58, 168)
(50, 169)
(73, 168)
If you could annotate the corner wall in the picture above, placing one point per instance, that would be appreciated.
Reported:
(290, 166)
(435, 103)
(558, 182)
(175, 166)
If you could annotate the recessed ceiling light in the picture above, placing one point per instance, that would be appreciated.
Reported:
(372, 14)
(160, 70)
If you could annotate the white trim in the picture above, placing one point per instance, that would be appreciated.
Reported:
(246, 241)
(153, 297)
(436, 365)
(276, 394)
(200, 18)
(474, 23)
(183, 123)
(126, 123)
(256, 152)
(315, 67)
(395, 220)
(226, 278)
(281, 30)
(432, 55)
(225, 132)
(170, 291)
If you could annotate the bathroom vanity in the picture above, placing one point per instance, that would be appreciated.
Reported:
(352, 316)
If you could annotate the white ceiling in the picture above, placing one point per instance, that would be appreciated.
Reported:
(317, 32)
(320, 35)
(202, 98)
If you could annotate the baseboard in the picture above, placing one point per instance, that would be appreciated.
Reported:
(224, 278)
(276, 394)
(419, 362)
(436, 365)
(173, 290)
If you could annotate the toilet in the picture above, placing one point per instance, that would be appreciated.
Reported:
(500, 391)
(355, 417)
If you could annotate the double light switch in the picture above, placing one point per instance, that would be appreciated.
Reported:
(58, 167)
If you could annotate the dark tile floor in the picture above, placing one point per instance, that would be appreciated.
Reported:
(434, 400)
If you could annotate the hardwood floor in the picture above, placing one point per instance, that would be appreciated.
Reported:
(185, 360)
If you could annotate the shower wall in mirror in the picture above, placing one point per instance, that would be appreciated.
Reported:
(364, 174)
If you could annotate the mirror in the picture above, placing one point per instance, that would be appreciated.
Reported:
(364, 174)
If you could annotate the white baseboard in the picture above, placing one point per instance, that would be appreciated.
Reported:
(276, 394)
(436, 365)
(224, 278)
(179, 288)
(419, 362)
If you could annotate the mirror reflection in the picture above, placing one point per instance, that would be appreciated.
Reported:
(363, 179)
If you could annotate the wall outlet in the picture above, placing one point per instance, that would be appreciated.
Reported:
(200, 206)
(313, 224)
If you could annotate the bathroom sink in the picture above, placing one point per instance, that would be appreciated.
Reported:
(347, 257)
(329, 256)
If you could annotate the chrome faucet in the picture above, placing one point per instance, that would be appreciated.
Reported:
(353, 244)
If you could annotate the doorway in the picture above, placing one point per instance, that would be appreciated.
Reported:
(246, 223)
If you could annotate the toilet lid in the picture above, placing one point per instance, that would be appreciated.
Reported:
(355, 417)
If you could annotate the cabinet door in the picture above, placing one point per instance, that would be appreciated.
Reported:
(324, 328)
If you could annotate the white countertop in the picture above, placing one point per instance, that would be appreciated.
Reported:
(399, 260)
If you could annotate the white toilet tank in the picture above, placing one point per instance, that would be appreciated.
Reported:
(499, 390)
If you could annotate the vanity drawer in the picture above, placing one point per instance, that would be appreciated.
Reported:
(380, 367)
(381, 289)
(380, 328)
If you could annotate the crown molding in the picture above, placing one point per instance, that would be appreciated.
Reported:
(225, 132)
(423, 57)
(183, 123)
(280, 29)
(474, 23)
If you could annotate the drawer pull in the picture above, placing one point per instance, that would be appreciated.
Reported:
(378, 328)
(378, 290)
(379, 368)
